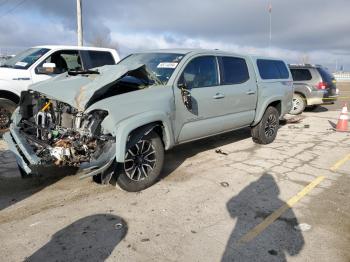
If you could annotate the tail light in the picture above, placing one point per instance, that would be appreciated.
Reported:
(322, 85)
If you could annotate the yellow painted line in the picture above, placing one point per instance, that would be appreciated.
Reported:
(340, 162)
(339, 97)
(271, 218)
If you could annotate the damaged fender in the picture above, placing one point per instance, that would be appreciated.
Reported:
(146, 122)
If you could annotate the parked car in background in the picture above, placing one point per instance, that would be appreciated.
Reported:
(313, 85)
(41, 63)
(118, 120)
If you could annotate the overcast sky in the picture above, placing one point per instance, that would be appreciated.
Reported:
(317, 31)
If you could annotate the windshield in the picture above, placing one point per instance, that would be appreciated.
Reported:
(162, 65)
(25, 59)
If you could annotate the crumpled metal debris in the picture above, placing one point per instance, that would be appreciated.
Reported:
(219, 151)
(302, 227)
(118, 226)
(299, 126)
(224, 184)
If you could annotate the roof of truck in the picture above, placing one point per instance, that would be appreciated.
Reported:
(185, 51)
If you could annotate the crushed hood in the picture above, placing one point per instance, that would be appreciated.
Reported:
(78, 90)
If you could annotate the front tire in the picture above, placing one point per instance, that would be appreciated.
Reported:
(266, 131)
(6, 109)
(298, 104)
(142, 165)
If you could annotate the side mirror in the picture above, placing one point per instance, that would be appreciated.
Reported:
(186, 95)
(47, 68)
(49, 65)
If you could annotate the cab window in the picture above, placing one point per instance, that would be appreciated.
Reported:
(201, 72)
(272, 69)
(94, 59)
(234, 70)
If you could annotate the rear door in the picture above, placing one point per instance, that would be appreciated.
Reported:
(240, 89)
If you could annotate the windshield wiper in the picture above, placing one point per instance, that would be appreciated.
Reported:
(83, 72)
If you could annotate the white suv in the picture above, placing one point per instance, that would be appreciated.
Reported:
(41, 63)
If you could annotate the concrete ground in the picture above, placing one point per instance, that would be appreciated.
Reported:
(212, 195)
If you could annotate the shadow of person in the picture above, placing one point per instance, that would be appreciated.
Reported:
(250, 207)
(91, 238)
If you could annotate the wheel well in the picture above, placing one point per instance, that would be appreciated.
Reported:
(304, 97)
(158, 127)
(277, 105)
(10, 96)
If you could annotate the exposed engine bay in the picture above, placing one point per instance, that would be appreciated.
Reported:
(59, 134)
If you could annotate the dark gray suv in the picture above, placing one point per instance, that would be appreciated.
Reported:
(313, 85)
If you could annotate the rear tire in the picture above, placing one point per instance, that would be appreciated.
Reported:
(6, 109)
(298, 104)
(266, 131)
(143, 164)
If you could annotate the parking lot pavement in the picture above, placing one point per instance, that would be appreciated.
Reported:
(222, 198)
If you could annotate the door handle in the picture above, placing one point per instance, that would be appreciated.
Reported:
(219, 96)
(250, 92)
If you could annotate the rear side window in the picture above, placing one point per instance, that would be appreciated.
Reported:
(284, 74)
(326, 76)
(272, 69)
(301, 74)
(234, 70)
(93, 59)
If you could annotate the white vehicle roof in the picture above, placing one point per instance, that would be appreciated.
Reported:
(54, 47)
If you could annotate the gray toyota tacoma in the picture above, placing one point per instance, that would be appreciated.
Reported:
(116, 121)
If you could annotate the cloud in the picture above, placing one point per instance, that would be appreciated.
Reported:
(299, 28)
(138, 42)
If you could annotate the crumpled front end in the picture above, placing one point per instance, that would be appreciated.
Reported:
(48, 135)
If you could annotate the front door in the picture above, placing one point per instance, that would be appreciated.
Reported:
(201, 78)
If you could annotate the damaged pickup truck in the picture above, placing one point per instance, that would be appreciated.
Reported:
(117, 121)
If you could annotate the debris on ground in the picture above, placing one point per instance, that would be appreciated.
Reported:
(299, 126)
(291, 120)
(219, 151)
(35, 224)
(273, 252)
(145, 240)
(118, 226)
(224, 184)
(303, 227)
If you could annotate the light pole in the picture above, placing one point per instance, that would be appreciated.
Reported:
(270, 25)
(79, 23)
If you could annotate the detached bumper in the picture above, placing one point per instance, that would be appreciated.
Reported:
(25, 156)
(31, 163)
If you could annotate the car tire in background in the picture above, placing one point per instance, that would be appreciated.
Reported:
(266, 131)
(143, 164)
(6, 109)
(298, 104)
